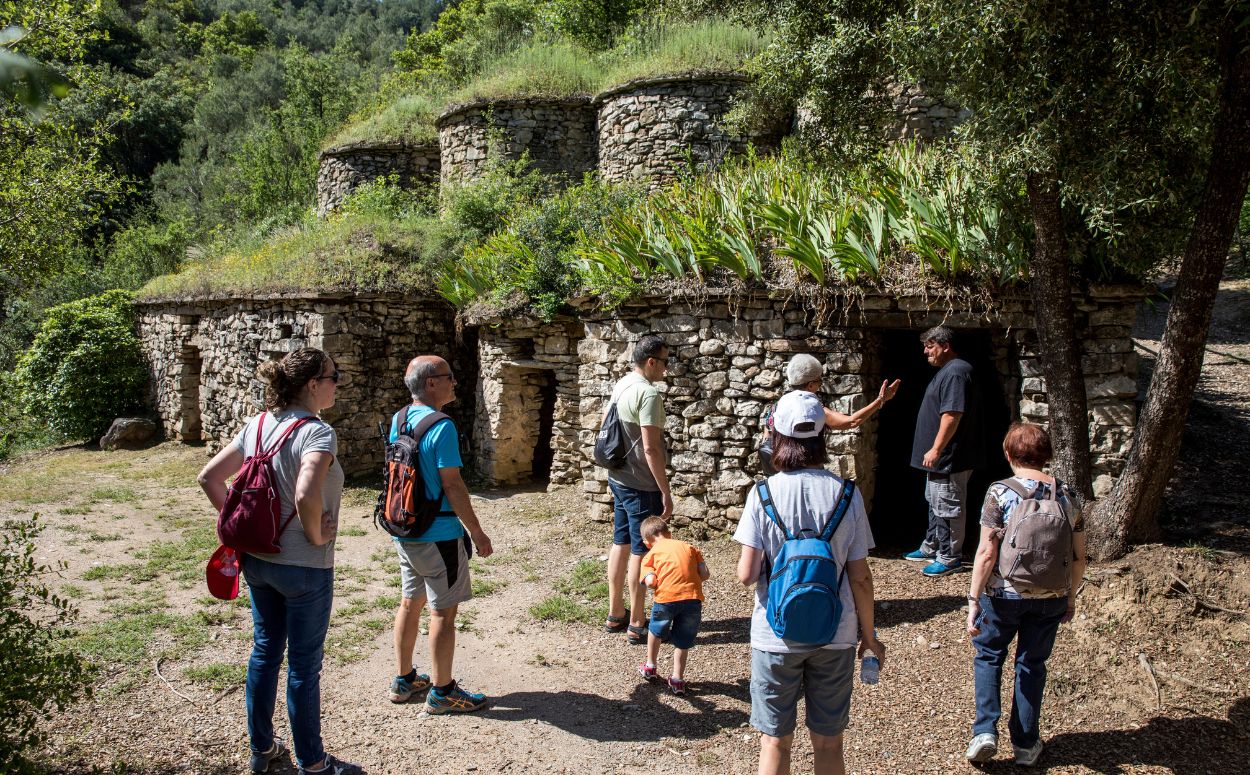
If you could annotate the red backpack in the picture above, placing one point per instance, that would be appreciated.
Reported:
(248, 521)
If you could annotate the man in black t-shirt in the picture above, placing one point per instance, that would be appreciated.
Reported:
(947, 448)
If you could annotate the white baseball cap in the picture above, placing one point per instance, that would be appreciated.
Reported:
(799, 415)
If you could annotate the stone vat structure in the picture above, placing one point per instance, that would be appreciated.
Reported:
(651, 128)
(558, 134)
(343, 168)
(203, 356)
(532, 392)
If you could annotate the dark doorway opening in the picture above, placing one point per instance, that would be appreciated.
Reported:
(189, 428)
(544, 453)
(899, 511)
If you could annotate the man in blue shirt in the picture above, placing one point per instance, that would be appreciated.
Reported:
(434, 566)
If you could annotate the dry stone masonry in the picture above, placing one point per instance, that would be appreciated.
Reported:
(345, 167)
(558, 135)
(203, 357)
(650, 129)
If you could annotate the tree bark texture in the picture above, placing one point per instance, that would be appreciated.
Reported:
(1050, 285)
(1130, 513)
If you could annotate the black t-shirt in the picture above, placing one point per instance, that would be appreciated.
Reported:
(951, 390)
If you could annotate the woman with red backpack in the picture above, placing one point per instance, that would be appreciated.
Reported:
(1028, 568)
(292, 589)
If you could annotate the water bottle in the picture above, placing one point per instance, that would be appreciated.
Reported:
(869, 669)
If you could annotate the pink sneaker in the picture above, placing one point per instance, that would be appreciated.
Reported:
(676, 686)
(647, 672)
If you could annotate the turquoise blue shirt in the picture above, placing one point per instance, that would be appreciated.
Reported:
(440, 448)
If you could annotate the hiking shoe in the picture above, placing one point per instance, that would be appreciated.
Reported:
(938, 568)
(455, 701)
(1027, 757)
(647, 672)
(333, 766)
(402, 689)
(919, 556)
(260, 761)
(982, 748)
(676, 686)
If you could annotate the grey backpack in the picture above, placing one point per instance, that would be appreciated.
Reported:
(1036, 550)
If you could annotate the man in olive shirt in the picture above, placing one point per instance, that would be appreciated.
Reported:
(640, 487)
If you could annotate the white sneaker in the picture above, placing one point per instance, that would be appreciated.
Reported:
(1027, 757)
(982, 748)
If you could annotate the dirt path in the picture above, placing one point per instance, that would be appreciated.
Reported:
(134, 532)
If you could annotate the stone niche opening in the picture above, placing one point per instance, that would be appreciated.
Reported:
(527, 402)
(189, 427)
(899, 487)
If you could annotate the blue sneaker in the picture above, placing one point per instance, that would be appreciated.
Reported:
(260, 761)
(456, 700)
(938, 568)
(919, 556)
(402, 688)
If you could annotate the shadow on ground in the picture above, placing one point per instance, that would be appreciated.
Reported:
(1185, 746)
(641, 718)
(916, 609)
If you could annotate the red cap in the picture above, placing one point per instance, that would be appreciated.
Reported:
(222, 573)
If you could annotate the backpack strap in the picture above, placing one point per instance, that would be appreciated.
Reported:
(417, 434)
(277, 445)
(1011, 484)
(839, 509)
(770, 510)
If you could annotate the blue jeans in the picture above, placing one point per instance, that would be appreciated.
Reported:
(677, 622)
(629, 508)
(1033, 623)
(290, 612)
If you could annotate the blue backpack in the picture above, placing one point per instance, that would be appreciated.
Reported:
(804, 578)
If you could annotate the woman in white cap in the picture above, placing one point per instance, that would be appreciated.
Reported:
(805, 372)
(806, 648)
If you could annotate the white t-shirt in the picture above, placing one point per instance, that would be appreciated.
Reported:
(804, 499)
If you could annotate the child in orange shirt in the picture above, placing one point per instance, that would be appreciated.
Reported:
(675, 570)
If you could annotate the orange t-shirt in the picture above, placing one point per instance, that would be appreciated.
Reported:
(676, 568)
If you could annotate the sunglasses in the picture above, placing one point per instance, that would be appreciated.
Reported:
(333, 377)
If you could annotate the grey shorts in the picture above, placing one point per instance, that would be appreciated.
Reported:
(435, 570)
(824, 678)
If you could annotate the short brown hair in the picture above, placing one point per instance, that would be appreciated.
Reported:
(652, 527)
(792, 454)
(1028, 444)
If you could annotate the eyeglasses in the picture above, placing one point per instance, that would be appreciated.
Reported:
(332, 377)
(449, 375)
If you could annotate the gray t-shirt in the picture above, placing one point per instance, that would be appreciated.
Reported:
(312, 436)
(804, 499)
(638, 403)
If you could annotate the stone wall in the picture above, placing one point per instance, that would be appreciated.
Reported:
(528, 395)
(203, 357)
(650, 129)
(559, 136)
(344, 168)
(730, 363)
(921, 116)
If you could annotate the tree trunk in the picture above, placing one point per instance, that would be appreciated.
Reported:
(1050, 284)
(1131, 512)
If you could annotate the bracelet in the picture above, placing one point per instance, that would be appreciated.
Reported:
(974, 598)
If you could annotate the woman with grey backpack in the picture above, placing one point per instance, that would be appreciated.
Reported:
(1028, 568)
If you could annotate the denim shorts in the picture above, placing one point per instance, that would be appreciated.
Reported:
(824, 678)
(629, 508)
(677, 622)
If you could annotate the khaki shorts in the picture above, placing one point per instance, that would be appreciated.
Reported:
(822, 676)
(435, 570)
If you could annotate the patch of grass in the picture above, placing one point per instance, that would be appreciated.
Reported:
(484, 587)
(141, 601)
(1202, 550)
(218, 675)
(113, 494)
(376, 624)
(102, 537)
(354, 608)
(73, 591)
(126, 639)
(588, 579)
(178, 471)
(386, 602)
(409, 119)
(73, 510)
(563, 608)
(353, 531)
(535, 70)
(360, 496)
(711, 44)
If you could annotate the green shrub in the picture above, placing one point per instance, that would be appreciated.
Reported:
(670, 49)
(535, 70)
(85, 367)
(409, 118)
(36, 672)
